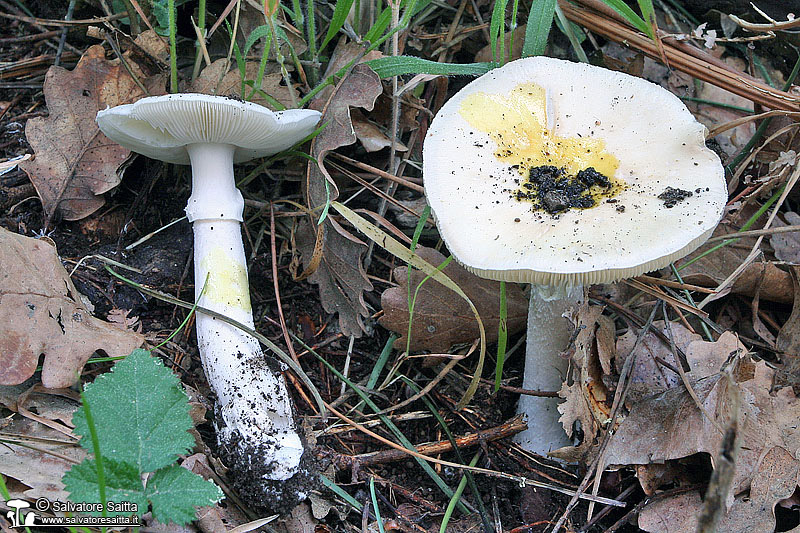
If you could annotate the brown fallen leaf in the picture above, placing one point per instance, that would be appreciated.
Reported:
(370, 136)
(772, 283)
(774, 480)
(440, 319)
(788, 340)
(75, 163)
(648, 376)
(41, 313)
(345, 52)
(213, 80)
(25, 458)
(339, 271)
(672, 515)
(787, 245)
(670, 426)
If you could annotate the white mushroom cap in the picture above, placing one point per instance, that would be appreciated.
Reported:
(469, 183)
(160, 127)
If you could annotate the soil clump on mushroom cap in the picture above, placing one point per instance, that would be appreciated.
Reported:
(553, 191)
(672, 196)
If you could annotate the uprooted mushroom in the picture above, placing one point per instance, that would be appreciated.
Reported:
(256, 430)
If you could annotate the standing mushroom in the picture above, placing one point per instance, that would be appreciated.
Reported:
(255, 428)
(563, 174)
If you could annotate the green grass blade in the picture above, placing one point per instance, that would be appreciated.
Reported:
(566, 26)
(377, 510)
(540, 19)
(457, 496)
(98, 457)
(340, 12)
(629, 14)
(255, 35)
(387, 67)
(649, 16)
(380, 364)
(497, 28)
(311, 30)
(336, 489)
(502, 338)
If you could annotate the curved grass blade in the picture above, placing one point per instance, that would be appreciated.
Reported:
(340, 12)
(394, 247)
(387, 67)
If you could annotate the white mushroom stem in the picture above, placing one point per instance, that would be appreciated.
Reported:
(255, 412)
(548, 335)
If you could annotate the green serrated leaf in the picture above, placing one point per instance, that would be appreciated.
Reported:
(386, 67)
(141, 414)
(174, 492)
(123, 483)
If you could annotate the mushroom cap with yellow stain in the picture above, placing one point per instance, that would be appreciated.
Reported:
(543, 113)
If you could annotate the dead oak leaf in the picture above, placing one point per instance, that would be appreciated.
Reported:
(774, 479)
(669, 425)
(649, 375)
(764, 277)
(41, 313)
(336, 253)
(214, 80)
(75, 163)
(587, 398)
(440, 319)
(787, 245)
(788, 340)
(38, 457)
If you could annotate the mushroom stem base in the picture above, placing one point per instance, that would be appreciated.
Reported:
(254, 412)
(548, 335)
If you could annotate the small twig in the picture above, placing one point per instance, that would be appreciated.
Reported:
(63, 39)
(60, 23)
(406, 182)
(520, 390)
(506, 429)
(273, 251)
(30, 38)
(636, 284)
(675, 284)
(772, 26)
(750, 118)
(753, 233)
(523, 481)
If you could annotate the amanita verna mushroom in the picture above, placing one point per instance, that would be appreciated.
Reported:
(560, 175)
(255, 427)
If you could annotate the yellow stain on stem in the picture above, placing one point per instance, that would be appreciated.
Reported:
(227, 280)
(517, 123)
